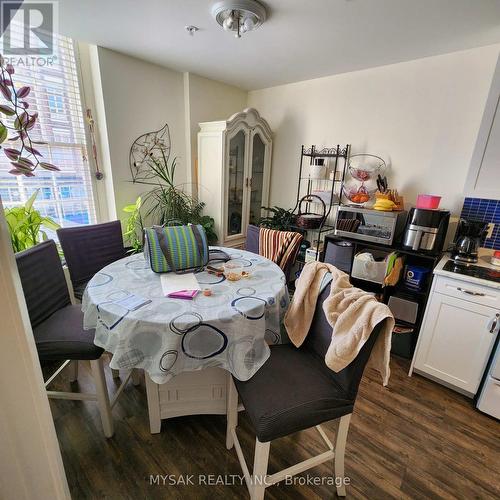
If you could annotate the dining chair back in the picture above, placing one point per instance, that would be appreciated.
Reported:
(58, 326)
(318, 340)
(293, 391)
(252, 244)
(252, 241)
(44, 284)
(87, 249)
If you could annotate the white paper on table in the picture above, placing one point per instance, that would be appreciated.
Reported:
(132, 302)
(171, 282)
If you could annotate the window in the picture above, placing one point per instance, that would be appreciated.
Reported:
(65, 196)
(61, 135)
(56, 102)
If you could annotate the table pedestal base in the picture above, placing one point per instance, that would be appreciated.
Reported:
(189, 393)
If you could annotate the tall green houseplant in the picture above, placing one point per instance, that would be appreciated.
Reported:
(166, 202)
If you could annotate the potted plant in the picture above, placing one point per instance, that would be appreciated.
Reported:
(25, 223)
(278, 218)
(134, 226)
(166, 202)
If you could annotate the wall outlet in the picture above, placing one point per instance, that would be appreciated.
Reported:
(491, 226)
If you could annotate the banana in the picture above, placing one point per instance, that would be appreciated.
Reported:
(384, 205)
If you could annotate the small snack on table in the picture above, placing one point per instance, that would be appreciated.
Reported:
(218, 271)
(233, 271)
(207, 292)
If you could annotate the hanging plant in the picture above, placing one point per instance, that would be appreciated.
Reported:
(16, 119)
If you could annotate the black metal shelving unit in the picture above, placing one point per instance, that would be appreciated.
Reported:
(306, 185)
(403, 344)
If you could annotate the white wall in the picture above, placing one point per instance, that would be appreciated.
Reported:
(138, 97)
(423, 116)
(208, 100)
(132, 97)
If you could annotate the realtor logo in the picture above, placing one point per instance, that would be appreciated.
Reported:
(27, 28)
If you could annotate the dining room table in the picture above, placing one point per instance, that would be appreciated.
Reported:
(187, 347)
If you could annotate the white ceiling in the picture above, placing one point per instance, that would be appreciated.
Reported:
(301, 39)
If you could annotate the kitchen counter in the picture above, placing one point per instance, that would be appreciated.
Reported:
(484, 261)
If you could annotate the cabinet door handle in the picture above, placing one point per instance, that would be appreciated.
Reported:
(470, 292)
(493, 324)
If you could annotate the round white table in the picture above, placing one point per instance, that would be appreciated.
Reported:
(230, 329)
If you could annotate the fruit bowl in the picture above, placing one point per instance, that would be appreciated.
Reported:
(364, 167)
(358, 194)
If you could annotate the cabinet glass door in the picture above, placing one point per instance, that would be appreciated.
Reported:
(257, 178)
(236, 184)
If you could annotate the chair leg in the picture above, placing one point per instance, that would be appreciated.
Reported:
(73, 371)
(231, 410)
(136, 377)
(260, 460)
(340, 444)
(102, 396)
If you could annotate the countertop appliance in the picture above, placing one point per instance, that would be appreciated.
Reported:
(479, 272)
(426, 230)
(468, 240)
(488, 397)
(369, 225)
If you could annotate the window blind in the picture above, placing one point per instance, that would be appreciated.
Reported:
(65, 196)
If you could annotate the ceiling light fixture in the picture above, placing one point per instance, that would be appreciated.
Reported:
(239, 16)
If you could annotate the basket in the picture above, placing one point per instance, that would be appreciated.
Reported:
(363, 171)
(310, 220)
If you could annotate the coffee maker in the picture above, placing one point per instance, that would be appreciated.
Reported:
(426, 230)
(468, 239)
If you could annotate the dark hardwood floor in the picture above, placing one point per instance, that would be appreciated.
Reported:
(414, 439)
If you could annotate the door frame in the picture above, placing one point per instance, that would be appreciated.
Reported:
(30, 463)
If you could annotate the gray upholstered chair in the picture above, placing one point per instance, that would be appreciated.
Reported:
(58, 326)
(294, 391)
(87, 249)
(252, 241)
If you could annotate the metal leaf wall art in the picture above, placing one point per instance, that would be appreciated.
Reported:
(146, 152)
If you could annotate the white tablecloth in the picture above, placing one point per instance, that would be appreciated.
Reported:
(168, 336)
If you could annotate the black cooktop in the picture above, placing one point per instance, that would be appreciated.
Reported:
(471, 270)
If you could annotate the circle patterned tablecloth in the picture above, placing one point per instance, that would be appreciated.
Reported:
(230, 329)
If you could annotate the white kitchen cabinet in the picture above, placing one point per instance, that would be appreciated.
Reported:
(234, 163)
(456, 337)
(483, 179)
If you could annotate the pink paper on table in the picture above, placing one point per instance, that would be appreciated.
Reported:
(179, 286)
(183, 294)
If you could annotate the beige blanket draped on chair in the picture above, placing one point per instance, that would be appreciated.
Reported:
(351, 312)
